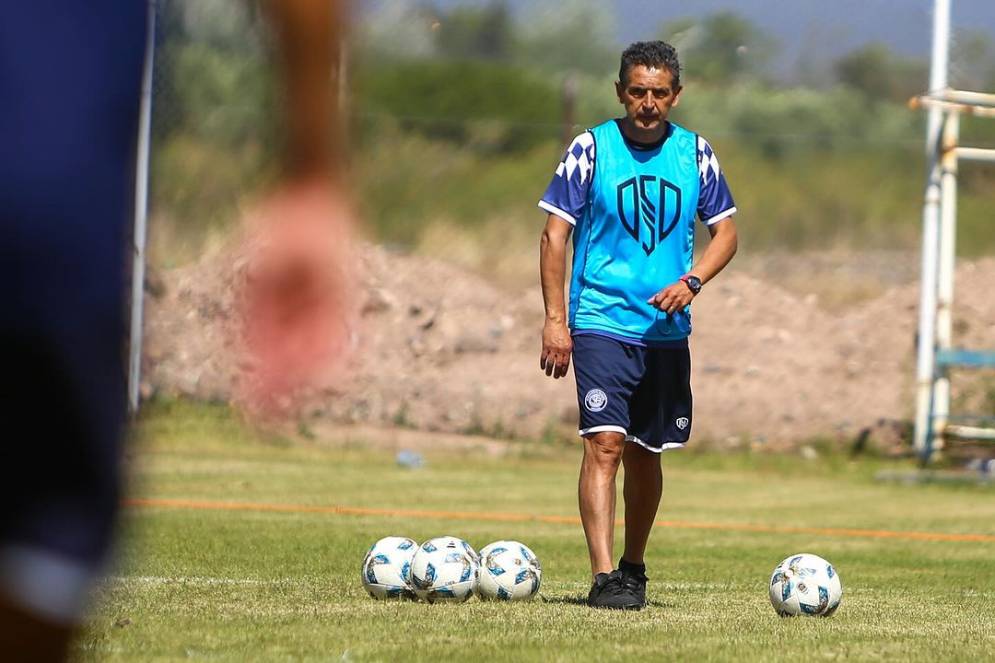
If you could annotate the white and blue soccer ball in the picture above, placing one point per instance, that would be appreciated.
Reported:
(444, 569)
(509, 571)
(805, 584)
(387, 568)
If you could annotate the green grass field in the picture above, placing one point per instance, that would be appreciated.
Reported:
(283, 585)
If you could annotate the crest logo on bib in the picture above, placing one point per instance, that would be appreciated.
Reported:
(645, 220)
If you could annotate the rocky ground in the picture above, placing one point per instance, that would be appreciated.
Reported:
(786, 348)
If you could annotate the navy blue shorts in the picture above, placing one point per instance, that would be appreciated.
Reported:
(68, 123)
(641, 392)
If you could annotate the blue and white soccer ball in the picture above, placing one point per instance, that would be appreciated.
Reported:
(509, 571)
(444, 569)
(387, 568)
(805, 584)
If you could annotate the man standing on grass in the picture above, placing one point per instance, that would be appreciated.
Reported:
(631, 188)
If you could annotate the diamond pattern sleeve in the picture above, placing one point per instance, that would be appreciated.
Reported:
(714, 199)
(566, 195)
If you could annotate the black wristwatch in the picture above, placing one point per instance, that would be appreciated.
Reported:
(693, 283)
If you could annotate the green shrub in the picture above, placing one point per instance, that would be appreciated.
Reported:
(496, 107)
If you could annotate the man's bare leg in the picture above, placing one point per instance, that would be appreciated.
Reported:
(642, 491)
(27, 638)
(596, 493)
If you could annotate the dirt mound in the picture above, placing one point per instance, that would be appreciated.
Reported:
(441, 349)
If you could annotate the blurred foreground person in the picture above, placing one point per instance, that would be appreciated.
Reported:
(70, 76)
(629, 189)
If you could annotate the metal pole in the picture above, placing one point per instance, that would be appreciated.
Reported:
(141, 216)
(925, 364)
(976, 154)
(966, 97)
(945, 286)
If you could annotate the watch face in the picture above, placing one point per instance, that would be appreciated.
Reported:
(694, 283)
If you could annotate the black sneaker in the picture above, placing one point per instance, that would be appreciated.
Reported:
(609, 592)
(634, 581)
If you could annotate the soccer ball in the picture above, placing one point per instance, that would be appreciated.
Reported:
(509, 570)
(444, 569)
(805, 584)
(387, 568)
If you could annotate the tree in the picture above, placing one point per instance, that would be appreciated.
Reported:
(212, 78)
(972, 62)
(720, 48)
(468, 32)
(575, 35)
(880, 75)
(399, 29)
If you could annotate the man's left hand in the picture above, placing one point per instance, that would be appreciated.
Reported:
(672, 298)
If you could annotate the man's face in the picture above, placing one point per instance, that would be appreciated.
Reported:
(648, 94)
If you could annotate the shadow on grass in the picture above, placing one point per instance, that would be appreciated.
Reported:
(582, 600)
(568, 600)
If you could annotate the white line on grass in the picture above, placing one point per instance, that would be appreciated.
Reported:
(203, 580)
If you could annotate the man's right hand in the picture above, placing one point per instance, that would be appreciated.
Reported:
(297, 311)
(556, 348)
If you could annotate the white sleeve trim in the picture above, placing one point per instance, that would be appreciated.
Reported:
(553, 209)
(721, 215)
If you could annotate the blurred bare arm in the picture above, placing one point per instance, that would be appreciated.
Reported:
(309, 33)
(298, 295)
(720, 250)
(556, 342)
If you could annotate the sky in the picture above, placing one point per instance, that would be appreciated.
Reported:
(837, 25)
(817, 29)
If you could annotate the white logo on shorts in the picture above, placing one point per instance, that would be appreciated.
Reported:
(596, 400)
(682, 422)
